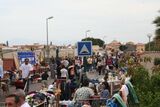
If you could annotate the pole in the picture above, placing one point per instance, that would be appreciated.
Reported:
(149, 45)
(47, 48)
(87, 32)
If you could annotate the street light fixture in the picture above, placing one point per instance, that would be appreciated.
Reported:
(149, 37)
(47, 35)
(87, 32)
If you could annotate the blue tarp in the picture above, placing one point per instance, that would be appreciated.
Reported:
(29, 55)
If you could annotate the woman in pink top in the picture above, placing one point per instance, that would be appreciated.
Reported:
(124, 91)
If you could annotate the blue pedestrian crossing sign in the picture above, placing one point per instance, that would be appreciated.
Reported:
(84, 48)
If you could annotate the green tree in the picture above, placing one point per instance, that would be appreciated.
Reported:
(153, 46)
(146, 87)
(156, 61)
(95, 41)
(123, 47)
(157, 32)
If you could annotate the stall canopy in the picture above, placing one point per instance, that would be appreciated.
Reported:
(23, 55)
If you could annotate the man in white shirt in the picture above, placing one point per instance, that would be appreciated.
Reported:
(64, 72)
(65, 63)
(26, 69)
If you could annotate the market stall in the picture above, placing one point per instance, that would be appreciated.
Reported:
(39, 99)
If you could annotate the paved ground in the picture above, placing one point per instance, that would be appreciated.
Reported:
(33, 87)
(94, 75)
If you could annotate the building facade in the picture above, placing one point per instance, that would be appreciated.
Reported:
(140, 48)
(114, 45)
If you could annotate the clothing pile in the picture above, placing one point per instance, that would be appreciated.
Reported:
(36, 98)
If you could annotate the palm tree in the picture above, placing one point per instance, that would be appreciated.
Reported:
(157, 32)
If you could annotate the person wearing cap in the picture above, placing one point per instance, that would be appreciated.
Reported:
(84, 93)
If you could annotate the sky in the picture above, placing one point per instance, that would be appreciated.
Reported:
(24, 21)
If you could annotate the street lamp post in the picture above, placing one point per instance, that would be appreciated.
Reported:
(149, 37)
(87, 32)
(47, 36)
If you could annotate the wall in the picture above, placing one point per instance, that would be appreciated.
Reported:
(8, 63)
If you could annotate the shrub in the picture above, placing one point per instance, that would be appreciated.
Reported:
(147, 88)
(157, 61)
(155, 82)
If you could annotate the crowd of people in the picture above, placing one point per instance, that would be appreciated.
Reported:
(70, 77)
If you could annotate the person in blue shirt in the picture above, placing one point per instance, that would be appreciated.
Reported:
(1, 71)
(104, 94)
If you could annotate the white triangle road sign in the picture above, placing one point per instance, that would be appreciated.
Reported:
(84, 50)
